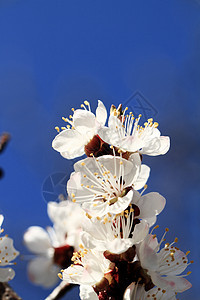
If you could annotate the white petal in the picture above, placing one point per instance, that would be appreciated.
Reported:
(41, 271)
(142, 178)
(119, 246)
(6, 274)
(87, 293)
(79, 275)
(147, 256)
(91, 242)
(84, 121)
(70, 143)
(175, 283)
(151, 204)
(1, 219)
(175, 266)
(74, 187)
(37, 240)
(157, 146)
(168, 295)
(100, 209)
(8, 252)
(140, 232)
(121, 204)
(101, 113)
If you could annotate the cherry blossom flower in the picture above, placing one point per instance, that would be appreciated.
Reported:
(83, 126)
(54, 247)
(164, 266)
(125, 133)
(7, 254)
(105, 185)
(89, 268)
(114, 234)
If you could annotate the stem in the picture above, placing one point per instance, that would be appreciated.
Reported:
(60, 291)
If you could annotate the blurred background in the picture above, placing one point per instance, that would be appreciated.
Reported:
(54, 55)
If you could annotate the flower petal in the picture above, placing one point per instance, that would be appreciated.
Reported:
(140, 232)
(6, 274)
(42, 271)
(174, 283)
(37, 240)
(84, 121)
(87, 293)
(70, 143)
(142, 178)
(157, 146)
(151, 204)
(101, 113)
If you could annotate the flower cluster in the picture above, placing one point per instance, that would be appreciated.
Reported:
(119, 256)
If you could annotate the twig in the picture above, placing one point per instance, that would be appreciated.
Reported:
(60, 291)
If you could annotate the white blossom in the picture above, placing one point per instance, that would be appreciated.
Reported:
(126, 134)
(165, 265)
(114, 234)
(105, 185)
(89, 268)
(83, 126)
(51, 245)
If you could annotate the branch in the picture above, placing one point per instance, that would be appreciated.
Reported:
(7, 293)
(60, 291)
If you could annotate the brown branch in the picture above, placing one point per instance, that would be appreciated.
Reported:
(7, 293)
(60, 291)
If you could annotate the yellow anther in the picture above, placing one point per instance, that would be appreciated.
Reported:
(60, 275)
(188, 273)
(63, 128)
(73, 109)
(187, 252)
(145, 186)
(82, 164)
(74, 200)
(86, 102)
(176, 240)
(73, 195)
(81, 246)
(98, 218)
(64, 119)
(166, 229)
(57, 128)
(155, 124)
